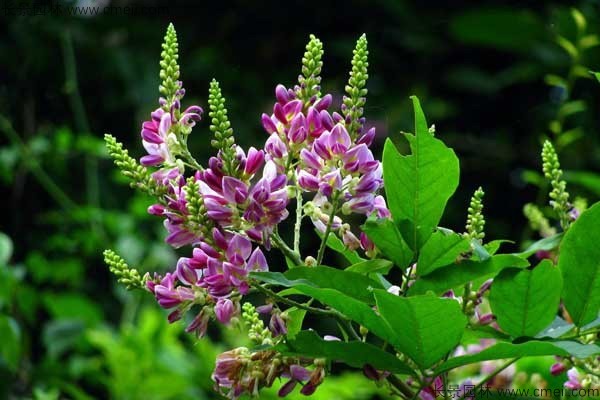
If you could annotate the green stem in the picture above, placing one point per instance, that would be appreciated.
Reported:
(580, 334)
(190, 160)
(347, 325)
(298, 224)
(493, 374)
(34, 167)
(92, 184)
(271, 294)
(334, 206)
(466, 295)
(286, 250)
(401, 386)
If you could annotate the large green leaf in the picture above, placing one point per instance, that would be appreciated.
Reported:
(526, 301)
(389, 241)
(579, 262)
(547, 243)
(585, 179)
(355, 354)
(418, 185)
(350, 283)
(456, 275)
(440, 250)
(10, 345)
(371, 266)
(426, 327)
(532, 348)
(351, 307)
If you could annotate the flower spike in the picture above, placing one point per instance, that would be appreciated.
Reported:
(130, 277)
(169, 69)
(475, 219)
(559, 195)
(221, 127)
(309, 81)
(356, 90)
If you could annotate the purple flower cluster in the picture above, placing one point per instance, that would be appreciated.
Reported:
(237, 203)
(240, 371)
(239, 209)
(159, 134)
(326, 159)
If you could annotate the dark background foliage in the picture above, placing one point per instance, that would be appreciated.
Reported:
(481, 72)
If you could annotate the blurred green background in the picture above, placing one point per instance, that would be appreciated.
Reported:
(496, 78)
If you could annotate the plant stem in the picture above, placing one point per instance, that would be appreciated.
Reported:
(493, 374)
(334, 206)
(92, 184)
(286, 250)
(580, 334)
(269, 293)
(466, 293)
(401, 386)
(298, 224)
(34, 167)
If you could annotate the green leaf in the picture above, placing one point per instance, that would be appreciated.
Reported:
(585, 179)
(371, 266)
(387, 238)
(294, 323)
(73, 306)
(350, 283)
(10, 345)
(426, 327)
(499, 28)
(558, 328)
(466, 271)
(418, 186)
(354, 309)
(547, 243)
(493, 246)
(335, 244)
(579, 262)
(440, 250)
(355, 354)
(60, 335)
(526, 301)
(531, 348)
(6, 248)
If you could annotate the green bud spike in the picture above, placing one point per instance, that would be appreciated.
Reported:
(169, 69)
(537, 221)
(138, 174)
(195, 207)
(475, 219)
(130, 277)
(256, 328)
(310, 78)
(221, 127)
(559, 197)
(356, 89)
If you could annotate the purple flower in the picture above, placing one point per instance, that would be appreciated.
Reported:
(169, 296)
(199, 324)
(277, 325)
(254, 161)
(573, 381)
(224, 310)
(154, 138)
(557, 368)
